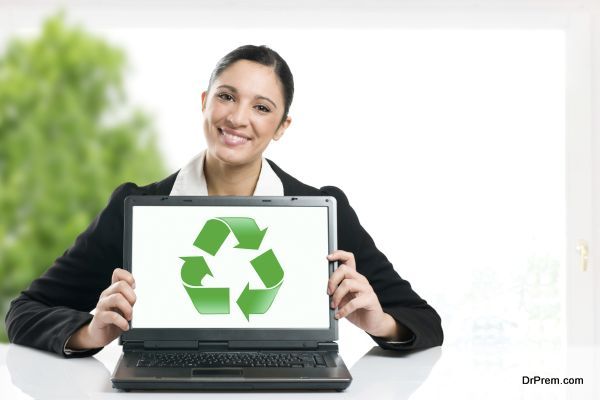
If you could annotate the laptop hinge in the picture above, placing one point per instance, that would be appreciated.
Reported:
(273, 344)
(171, 344)
(132, 345)
(231, 345)
(328, 346)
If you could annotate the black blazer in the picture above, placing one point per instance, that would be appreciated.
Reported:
(58, 303)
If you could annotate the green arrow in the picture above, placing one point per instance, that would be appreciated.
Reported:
(194, 270)
(206, 300)
(246, 231)
(212, 236)
(268, 268)
(209, 300)
(258, 301)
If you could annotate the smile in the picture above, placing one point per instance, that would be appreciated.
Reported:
(230, 138)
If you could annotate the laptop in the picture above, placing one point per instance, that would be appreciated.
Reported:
(231, 294)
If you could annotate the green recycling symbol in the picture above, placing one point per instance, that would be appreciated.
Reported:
(210, 300)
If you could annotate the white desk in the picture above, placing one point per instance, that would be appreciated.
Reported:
(484, 372)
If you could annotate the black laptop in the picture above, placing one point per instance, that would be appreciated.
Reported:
(231, 294)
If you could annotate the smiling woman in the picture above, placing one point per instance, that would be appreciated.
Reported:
(245, 107)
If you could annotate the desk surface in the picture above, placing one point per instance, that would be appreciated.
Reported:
(449, 372)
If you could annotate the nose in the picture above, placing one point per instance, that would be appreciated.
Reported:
(238, 116)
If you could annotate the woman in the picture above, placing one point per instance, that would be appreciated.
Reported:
(245, 107)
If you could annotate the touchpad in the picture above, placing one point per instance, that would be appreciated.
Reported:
(217, 372)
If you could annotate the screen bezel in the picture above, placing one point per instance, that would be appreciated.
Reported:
(231, 334)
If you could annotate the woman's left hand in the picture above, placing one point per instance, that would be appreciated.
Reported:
(355, 299)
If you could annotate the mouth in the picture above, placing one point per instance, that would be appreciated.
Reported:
(231, 137)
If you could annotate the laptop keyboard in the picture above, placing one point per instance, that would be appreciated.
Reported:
(231, 359)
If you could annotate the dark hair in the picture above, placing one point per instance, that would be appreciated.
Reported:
(265, 56)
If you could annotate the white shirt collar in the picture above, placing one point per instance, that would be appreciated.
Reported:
(190, 180)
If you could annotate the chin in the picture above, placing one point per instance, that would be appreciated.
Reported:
(232, 156)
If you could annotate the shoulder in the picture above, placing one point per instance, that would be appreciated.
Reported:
(291, 185)
(348, 223)
(294, 187)
(340, 196)
(162, 187)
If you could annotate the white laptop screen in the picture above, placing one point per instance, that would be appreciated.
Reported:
(230, 267)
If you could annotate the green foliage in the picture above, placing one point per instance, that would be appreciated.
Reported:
(67, 140)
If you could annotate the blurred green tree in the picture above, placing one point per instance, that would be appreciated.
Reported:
(68, 138)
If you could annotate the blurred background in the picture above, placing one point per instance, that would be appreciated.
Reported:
(67, 139)
(462, 132)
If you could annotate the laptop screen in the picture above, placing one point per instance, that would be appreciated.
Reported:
(230, 267)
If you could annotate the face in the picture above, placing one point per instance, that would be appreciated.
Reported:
(242, 113)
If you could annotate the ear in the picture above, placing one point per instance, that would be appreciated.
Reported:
(284, 125)
(203, 100)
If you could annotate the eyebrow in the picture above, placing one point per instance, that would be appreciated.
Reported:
(234, 90)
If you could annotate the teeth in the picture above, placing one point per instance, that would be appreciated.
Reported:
(234, 138)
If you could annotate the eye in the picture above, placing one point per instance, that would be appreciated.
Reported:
(263, 108)
(225, 96)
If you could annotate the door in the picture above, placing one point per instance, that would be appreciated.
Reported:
(580, 279)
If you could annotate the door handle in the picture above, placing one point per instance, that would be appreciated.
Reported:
(582, 249)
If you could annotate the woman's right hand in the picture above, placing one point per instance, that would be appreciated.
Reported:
(113, 313)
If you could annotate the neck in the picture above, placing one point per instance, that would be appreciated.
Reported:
(230, 180)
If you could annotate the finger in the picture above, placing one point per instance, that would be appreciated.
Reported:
(341, 273)
(343, 256)
(353, 305)
(112, 318)
(119, 274)
(123, 288)
(117, 302)
(345, 300)
(348, 286)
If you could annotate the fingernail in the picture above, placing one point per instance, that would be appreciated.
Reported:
(332, 305)
(337, 316)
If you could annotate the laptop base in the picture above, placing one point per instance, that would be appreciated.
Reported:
(128, 376)
(229, 386)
